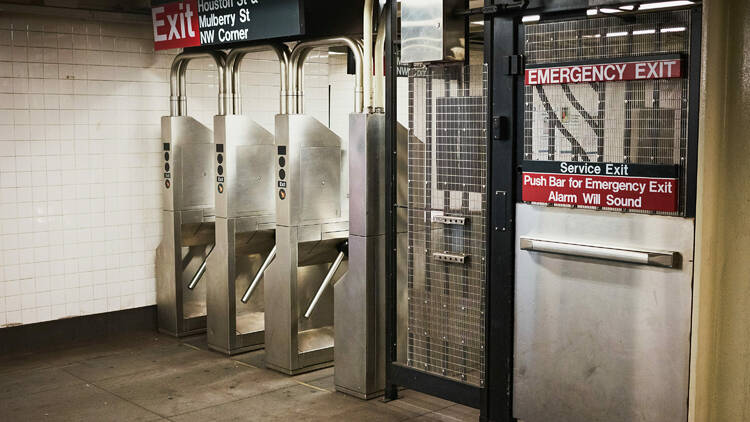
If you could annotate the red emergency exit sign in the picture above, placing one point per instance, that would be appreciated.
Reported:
(607, 185)
(605, 72)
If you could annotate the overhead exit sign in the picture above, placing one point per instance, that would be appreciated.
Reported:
(192, 23)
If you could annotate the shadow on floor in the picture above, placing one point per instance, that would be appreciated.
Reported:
(151, 377)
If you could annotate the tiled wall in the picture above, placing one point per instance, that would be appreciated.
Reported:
(79, 158)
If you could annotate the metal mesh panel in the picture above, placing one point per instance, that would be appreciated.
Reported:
(643, 122)
(447, 221)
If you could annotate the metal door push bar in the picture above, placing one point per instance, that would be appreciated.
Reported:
(654, 258)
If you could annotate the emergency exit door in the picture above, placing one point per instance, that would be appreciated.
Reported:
(604, 217)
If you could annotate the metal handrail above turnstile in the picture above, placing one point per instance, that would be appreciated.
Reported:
(644, 257)
(178, 84)
(201, 270)
(331, 271)
(259, 275)
(297, 74)
(234, 61)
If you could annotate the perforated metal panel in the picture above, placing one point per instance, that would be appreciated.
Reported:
(643, 122)
(447, 221)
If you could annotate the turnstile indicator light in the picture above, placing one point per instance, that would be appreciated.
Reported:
(167, 183)
(281, 149)
(166, 156)
(282, 194)
(282, 161)
(220, 170)
(166, 147)
(219, 148)
(282, 174)
(282, 184)
(221, 188)
(166, 167)
(220, 158)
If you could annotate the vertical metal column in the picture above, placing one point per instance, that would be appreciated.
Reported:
(359, 296)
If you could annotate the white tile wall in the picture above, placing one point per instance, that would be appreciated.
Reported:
(80, 104)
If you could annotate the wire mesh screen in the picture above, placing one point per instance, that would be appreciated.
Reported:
(640, 122)
(447, 209)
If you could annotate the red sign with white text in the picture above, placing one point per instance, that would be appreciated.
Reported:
(640, 193)
(627, 71)
(176, 25)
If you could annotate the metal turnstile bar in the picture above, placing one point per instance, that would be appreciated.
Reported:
(326, 281)
(644, 257)
(201, 270)
(259, 275)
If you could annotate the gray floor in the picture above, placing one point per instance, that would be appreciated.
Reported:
(150, 377)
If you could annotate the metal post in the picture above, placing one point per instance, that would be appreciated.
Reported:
(177, 81)
(234, 63)
(297, 75)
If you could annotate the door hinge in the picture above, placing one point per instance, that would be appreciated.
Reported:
(514, 65)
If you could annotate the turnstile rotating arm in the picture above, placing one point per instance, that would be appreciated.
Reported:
(201, 270)
(259, 275)
(326, 282)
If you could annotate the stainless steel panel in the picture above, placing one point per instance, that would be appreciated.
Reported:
(297, 133)
(320, 176)
(359, 321)
(183, 249)
(190, 164)
(194, 175)
(249, 171)
(432, 31)
(598, 340)
(291, 283)
(232, 326)
(367, 174)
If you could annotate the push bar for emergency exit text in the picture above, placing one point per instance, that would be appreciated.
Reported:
(644, 257)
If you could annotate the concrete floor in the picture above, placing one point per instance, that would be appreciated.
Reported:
(151, 377)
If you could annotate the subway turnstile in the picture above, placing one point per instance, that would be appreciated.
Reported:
(604, 227)
(188, 215)
(311, 230)
(244, 154)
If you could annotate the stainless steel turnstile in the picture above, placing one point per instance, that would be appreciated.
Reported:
(311, 232)
(188, 215)
(245, 217)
